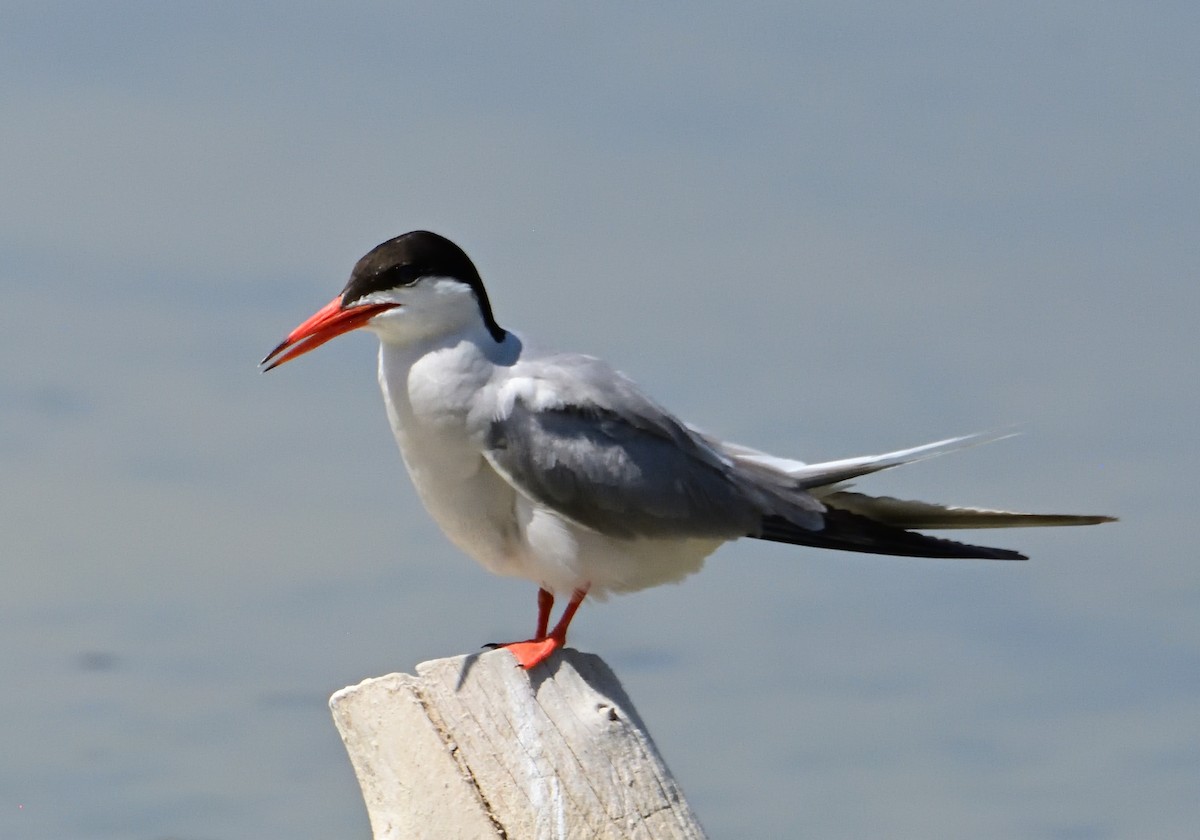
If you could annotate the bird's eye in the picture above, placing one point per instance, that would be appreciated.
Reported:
(397, 275)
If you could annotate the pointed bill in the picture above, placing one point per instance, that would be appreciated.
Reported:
(330, 321)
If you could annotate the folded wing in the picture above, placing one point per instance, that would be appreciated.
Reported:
(601, 455)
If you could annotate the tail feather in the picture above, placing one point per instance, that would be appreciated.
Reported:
(829, 473)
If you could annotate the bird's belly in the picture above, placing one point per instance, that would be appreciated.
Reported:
(564, 556)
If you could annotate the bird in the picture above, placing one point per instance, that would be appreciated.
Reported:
(557, 468)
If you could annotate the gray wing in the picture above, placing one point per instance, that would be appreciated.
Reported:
(581, 439)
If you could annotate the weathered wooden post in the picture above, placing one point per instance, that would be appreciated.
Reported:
(475, 747)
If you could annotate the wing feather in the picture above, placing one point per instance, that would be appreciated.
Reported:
(904, 513)
(610, 476)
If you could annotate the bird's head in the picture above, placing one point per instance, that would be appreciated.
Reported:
(414, 286)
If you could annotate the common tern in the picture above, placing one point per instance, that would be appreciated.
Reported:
(556, 468)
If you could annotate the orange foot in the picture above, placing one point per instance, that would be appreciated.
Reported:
(532, 652)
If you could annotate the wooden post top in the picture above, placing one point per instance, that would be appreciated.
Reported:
(475, 747)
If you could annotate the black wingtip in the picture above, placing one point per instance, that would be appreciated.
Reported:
(846, 531)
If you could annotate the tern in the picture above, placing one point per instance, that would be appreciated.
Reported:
(557, 468)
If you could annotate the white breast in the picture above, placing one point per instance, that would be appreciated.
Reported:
(428, 394)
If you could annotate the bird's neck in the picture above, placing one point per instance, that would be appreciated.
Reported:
(434, 382)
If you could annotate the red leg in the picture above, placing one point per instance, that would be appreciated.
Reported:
(545, 604)
(560, 630)
(536, 651)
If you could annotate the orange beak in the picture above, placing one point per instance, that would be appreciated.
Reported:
(330, 321)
